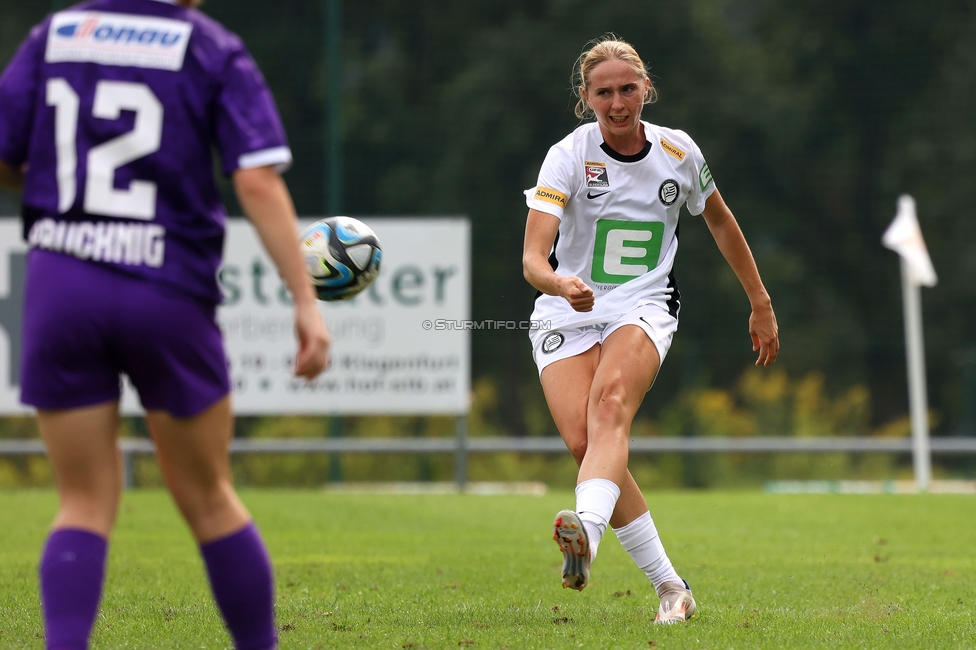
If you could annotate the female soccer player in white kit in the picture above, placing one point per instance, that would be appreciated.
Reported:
(600, 242)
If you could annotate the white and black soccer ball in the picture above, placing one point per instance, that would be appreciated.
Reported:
(342, 256)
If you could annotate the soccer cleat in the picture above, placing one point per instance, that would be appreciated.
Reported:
(575, 545)
(677, 603)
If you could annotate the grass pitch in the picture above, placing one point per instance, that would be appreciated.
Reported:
(372, 571)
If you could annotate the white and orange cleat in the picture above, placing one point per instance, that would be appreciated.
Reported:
(677, 603)
(575, 546)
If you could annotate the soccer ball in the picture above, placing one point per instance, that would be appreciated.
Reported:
(342, 256)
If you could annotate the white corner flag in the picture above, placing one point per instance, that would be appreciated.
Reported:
(905, 238)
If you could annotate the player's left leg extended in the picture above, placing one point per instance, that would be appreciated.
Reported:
(628, 366)
(81, 445)
(194, 458)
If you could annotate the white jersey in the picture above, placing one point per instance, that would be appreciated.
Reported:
(618, 219)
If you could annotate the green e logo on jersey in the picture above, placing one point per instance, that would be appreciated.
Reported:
(625, 249)
(704, 177)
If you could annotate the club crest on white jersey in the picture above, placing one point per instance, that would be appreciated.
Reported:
(117, 39)
(668, 192)
(552, 342)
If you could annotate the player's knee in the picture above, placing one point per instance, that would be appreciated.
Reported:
(199, 497)
(609, 405)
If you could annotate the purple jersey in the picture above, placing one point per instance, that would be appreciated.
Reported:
(116, 105)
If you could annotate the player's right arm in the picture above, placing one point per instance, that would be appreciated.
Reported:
(266, 201)
(540, 234)
(546, 202)
(254, 151)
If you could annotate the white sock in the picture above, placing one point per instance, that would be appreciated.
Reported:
(640, 539)
(595, 501)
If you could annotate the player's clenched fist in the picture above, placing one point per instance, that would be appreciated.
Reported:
(579, 295)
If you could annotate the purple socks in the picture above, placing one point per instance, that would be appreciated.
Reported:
(243, 586)
(72, 569)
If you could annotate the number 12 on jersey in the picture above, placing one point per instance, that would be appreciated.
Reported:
(111, 98)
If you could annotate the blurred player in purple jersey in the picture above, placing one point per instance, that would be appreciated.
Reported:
(109, 112)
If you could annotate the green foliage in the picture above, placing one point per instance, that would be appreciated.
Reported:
(18, 428)
(763, 402)
(25, 471)
(767, 402)
(384, 571)
(22, 471)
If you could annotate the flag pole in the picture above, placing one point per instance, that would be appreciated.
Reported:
(904, 236)
(917, 390)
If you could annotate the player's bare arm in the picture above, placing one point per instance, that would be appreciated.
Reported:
(11, 177)
(731, 242)
(267, 203)
(540, 233)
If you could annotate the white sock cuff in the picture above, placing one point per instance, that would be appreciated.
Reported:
(641, 541)
(597, 498)
(637, 531)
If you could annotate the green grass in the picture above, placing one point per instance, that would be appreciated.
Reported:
(369, 571)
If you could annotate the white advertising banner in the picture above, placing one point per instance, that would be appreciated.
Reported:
(400, 347)
(13, 258)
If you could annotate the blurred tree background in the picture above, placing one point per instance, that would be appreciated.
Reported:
(814, 116)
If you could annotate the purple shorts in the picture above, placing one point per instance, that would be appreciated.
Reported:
(85, 325)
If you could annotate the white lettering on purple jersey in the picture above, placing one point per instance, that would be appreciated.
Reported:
(117, 242)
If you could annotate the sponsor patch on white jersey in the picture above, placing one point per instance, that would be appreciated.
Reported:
(704, 177)
(117, 39)
(672, 150)
(596, 174)
(550, 195)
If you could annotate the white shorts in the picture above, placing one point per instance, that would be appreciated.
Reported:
(553, 345)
